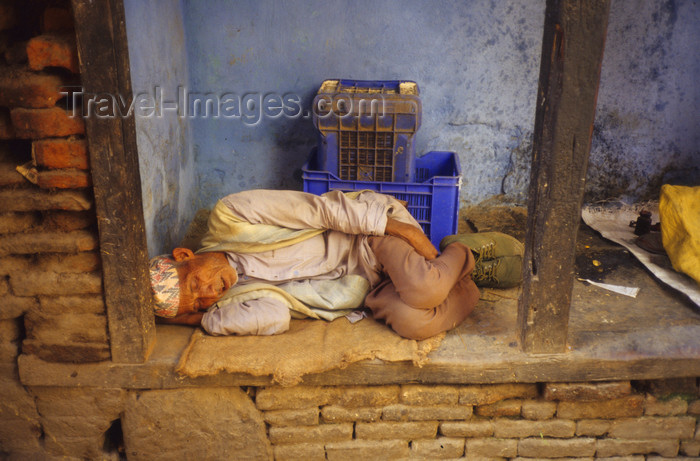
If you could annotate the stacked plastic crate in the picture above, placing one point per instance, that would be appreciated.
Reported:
(366, 141)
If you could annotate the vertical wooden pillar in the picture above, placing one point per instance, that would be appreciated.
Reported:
(572, 54)
(104, 68)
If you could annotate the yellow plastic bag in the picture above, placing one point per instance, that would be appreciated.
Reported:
(679, 212)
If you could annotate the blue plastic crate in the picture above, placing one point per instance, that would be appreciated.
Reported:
(366, 128)
(433, 199)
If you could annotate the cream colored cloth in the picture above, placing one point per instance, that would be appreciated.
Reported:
(679, 212)
(275, 232)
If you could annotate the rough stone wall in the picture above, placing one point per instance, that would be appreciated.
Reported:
(609, 420)
(500, 421)
(50, 280)
(49, 260)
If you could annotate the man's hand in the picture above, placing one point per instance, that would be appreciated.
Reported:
(414, 236)
(191, 318)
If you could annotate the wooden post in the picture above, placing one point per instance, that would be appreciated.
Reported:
(104, 68)
(572, 54)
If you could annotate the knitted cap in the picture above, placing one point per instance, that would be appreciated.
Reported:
(165, 285)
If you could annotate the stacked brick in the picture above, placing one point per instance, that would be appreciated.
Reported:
(50, 280)
(501, 421)
(50, 273)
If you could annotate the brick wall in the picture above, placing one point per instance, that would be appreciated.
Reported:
(50, 281)
(49, 261)
(639, 421)
(501, 421)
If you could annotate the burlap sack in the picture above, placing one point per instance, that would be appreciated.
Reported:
(679, 212)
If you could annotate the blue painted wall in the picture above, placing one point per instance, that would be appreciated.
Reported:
(477, 65)
(647, 128)
(157, 53)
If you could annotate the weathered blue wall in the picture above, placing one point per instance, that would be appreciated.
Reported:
(477, 65)
(157, 53)
(647, 128)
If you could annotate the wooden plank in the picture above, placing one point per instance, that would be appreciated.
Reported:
(489, 369)
(104, 67)
(572, 54)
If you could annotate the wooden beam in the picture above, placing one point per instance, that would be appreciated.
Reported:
(572, 54)
(104, 68)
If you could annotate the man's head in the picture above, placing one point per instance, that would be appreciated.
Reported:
(187, 282)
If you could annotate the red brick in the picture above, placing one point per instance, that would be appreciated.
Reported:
(61, 153)
(21, 88)
(64, 179)
(6, 129)
(45, 123)
(56, 20)
(53, 51)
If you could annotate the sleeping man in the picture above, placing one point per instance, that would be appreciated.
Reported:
(269, 256)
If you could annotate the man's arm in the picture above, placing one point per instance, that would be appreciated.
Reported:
(259, 316)
(192, 318)
(414, 236)
(300, 210)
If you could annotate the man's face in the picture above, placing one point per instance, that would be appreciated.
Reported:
(204, 278)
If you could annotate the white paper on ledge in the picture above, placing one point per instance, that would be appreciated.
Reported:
(612, 220)
(627, 291)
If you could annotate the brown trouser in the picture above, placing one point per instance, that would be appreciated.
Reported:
(421, 298)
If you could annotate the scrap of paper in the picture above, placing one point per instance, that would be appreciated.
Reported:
(627, 291)
(356, 316)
